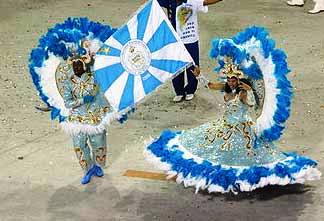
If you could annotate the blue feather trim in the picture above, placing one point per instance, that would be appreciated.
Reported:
(225, 176)
(231, 47)
(56, 41)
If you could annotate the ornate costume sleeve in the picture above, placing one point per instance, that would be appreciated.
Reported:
(250, 100)
(69, 100)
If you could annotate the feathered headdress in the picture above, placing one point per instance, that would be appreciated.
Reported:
(231, 70)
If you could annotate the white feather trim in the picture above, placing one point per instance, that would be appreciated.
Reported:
(48, 83)
(307, 173)
(265, 120)
(76, 128)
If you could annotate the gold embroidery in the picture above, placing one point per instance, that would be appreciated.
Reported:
(83, 163)
(224, 130)
(100, 155)
(91, 117)
(104, 50)
(82, 87)
(246, 134)
(62, 73)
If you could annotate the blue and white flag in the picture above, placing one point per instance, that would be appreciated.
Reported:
(139, 57)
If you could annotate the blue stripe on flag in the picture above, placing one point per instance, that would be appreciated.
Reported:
(170, 66)
(162, 37)
(149, 82)
(142, 19)
(109, 51)
(106, 76)
(122, 35)
(127, 98)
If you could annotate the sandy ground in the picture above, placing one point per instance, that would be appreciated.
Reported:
(39, 175)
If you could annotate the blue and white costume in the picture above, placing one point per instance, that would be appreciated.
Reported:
(75, 90)
(230, 140)
(235, 153)
(75, 98)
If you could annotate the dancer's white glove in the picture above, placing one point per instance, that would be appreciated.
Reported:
(203, 81)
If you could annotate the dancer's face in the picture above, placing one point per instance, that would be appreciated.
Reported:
(232, 82)
(78, 68)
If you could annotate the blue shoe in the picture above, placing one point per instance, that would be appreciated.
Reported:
(98, 171)
(87, 177)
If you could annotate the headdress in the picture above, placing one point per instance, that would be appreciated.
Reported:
(231, 70)
(85, 59)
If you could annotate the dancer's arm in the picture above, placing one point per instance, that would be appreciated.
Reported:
(216, 85)
(211, 85)
(210, 2)
(70, 101)
(246, 94)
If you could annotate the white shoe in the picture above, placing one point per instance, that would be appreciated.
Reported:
(177, 98)
(315, 11)
(189, 97)
(319, 7)
(295, 3)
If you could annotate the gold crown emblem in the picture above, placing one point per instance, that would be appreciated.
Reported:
(231, 70)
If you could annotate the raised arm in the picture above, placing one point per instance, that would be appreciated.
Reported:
(246, 94)
(210, 2)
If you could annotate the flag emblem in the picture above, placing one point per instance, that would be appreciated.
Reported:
(139, 57)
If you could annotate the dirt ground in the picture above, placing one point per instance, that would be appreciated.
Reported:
(39, 175)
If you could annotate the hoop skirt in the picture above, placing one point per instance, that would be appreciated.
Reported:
(226, 155)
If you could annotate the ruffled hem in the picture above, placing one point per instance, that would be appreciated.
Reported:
(167, 154)
(74, 128)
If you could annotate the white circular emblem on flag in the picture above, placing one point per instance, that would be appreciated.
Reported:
(139, 57)
(135, 57)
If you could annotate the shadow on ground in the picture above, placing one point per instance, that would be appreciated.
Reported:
(102, 200)
(271, 203)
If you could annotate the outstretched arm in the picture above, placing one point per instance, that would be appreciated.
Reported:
(210, 2)
(210, 85)
(216, 85)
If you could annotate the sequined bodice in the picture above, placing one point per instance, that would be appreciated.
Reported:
(230, 140)
(236, 111)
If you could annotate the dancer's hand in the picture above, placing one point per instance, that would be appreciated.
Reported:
(196, 71)
(244, 86)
